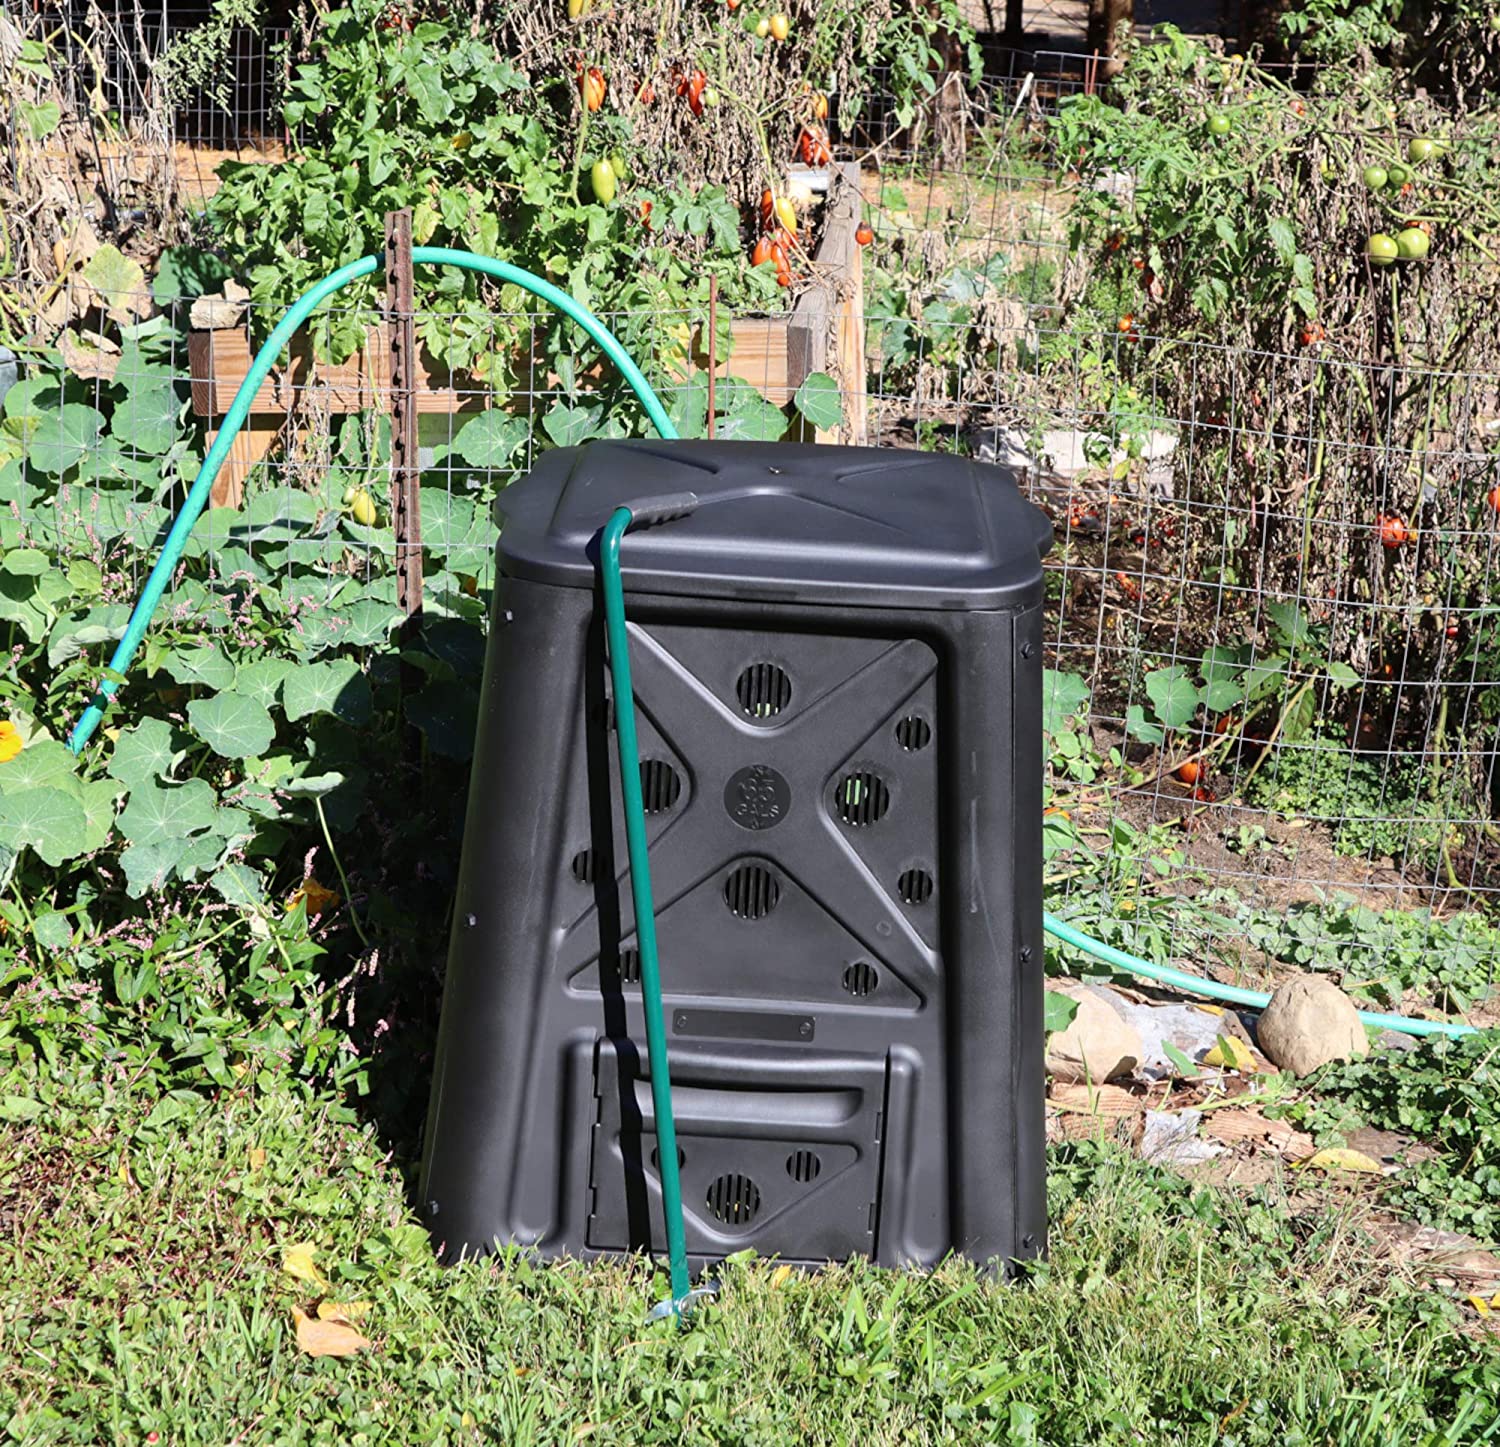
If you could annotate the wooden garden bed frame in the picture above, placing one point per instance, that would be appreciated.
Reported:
(824, 332)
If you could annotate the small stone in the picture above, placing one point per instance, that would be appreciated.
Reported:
(1309, 1022)
(1099, 1044)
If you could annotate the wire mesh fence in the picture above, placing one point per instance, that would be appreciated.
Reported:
(1273, 735)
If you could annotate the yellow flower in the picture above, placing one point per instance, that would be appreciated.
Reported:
(316, 896)
(10, 741)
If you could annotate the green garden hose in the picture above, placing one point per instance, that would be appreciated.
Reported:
(614, 531)
(161, 575)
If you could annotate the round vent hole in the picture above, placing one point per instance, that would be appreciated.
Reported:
(656, 1157)
(860, 978)
(734, 1200)
(915, 886)
(751, 892)
(862, 798)
(630, 967)
(764, 689)
(803, 1166)
(913, 733)
(583, 866)
(660, 786)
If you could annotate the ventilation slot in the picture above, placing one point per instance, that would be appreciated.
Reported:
(583, 866)
(660, 786)
(734, 1200)
(751, 892)
(913, 733)
(764, 689)
(630, 967)
(915, 886)
(861, 977)
(803, 1166)
(656, 1157)
(862, 798)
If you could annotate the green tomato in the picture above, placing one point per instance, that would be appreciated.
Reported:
(1219, 124)
(1397, 176)
(618, 166)
(1413, 243)
(1419, 149)
(603, 177)
(1382, 249)
(1375, 177)
(710, 96)
(349, 493)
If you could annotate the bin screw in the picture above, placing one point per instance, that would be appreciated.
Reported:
(1026, 650)
(1025, 954)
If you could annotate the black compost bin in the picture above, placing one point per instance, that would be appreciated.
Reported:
(838, 678)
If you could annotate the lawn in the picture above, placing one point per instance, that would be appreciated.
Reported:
(144, 1297)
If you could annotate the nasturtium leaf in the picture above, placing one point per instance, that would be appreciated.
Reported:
(25, 562)
(1058, 1011)
(752, 419)
(147, 867)
(337, 687)
(233, 726)
(146, 421)
(370, 622)
(1342, 675)
(44, 764)
(568, 426)
(262, 679)
(53, 930)
(167, 815)
(204, 663)
(239, 885)
(817, 399)
(63, 435)
(50, 820)
(310, 786)
(1139, 727)
(1221, 694)
(1174, 695)
(143, 753)
(99, 797)
(490, 439)
(1063, 695)
(72, 636)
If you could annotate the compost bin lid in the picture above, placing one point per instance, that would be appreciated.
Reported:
(858, 525)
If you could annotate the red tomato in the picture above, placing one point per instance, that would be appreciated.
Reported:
(762, 253)
(1189, 771)
(862, 233)
(1393, 530)
(1493, 498)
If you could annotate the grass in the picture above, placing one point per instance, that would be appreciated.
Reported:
(141, 1291)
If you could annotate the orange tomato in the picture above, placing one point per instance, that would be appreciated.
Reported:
(592, 86)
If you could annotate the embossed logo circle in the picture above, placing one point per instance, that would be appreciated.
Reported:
(757, 797)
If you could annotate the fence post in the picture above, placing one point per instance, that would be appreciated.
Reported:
(406, 470)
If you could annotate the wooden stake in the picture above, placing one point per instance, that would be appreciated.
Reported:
(406, 470)
(713, 332)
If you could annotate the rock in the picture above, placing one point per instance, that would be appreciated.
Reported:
(1098, 1045)
(1309, 1022)
(217, 313)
